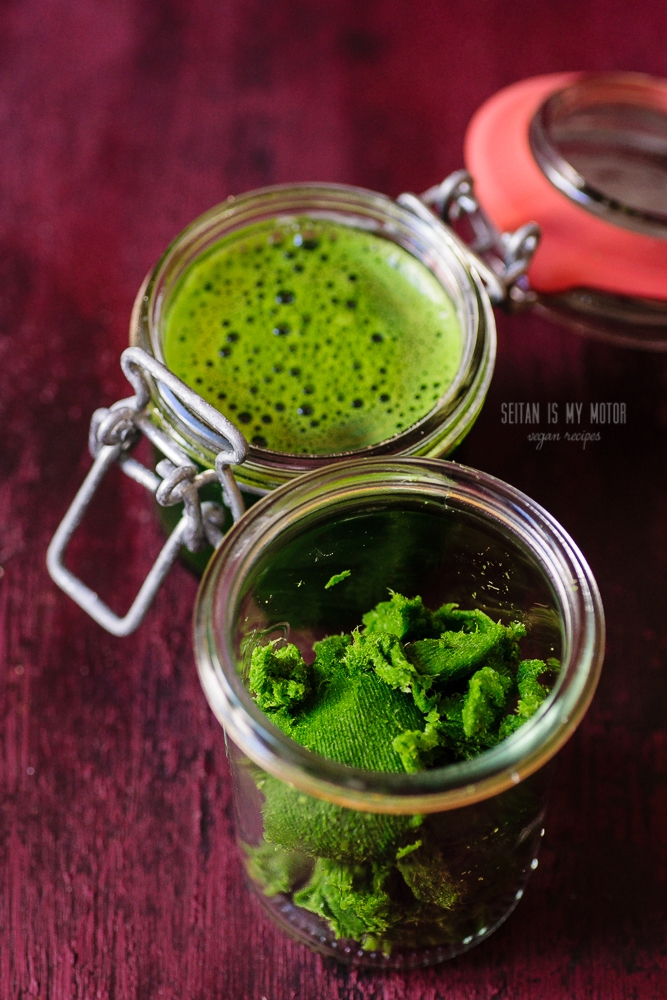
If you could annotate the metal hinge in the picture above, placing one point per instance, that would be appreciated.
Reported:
(501, 259)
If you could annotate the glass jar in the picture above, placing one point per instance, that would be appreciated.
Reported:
(423, 236)
(203, 450)
(385, 869)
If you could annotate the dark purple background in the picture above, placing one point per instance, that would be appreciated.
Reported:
(121, 120)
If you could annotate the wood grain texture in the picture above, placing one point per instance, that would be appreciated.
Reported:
(121, 121)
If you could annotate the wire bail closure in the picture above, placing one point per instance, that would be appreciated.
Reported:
(114, 432)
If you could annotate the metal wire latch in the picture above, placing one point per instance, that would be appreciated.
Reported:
(501, 259)
(113, 434)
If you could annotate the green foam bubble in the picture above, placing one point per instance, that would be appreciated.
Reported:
(313, 337)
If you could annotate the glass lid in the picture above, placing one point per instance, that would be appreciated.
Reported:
(603, 142)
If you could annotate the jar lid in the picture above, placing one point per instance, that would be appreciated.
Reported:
(585, 157)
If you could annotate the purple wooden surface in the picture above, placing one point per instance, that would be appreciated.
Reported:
(121, 121)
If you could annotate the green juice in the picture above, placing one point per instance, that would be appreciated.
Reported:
(313, 337)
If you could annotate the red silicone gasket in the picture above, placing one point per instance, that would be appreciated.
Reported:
(577, 249)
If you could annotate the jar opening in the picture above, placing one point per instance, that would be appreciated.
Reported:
(432, 528)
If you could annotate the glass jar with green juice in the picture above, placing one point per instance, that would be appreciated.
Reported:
(391, 755)
(325, 322)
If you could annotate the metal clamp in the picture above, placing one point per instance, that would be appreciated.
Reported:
(113, 434)
(501, 259)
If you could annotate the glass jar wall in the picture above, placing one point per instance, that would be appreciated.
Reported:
(376, 868)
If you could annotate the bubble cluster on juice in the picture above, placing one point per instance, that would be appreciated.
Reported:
(312, 336)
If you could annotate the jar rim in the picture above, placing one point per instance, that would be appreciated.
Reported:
(596, 94)
(438, 431)
(438, 789)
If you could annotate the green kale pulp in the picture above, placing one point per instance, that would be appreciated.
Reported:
(409, 689)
